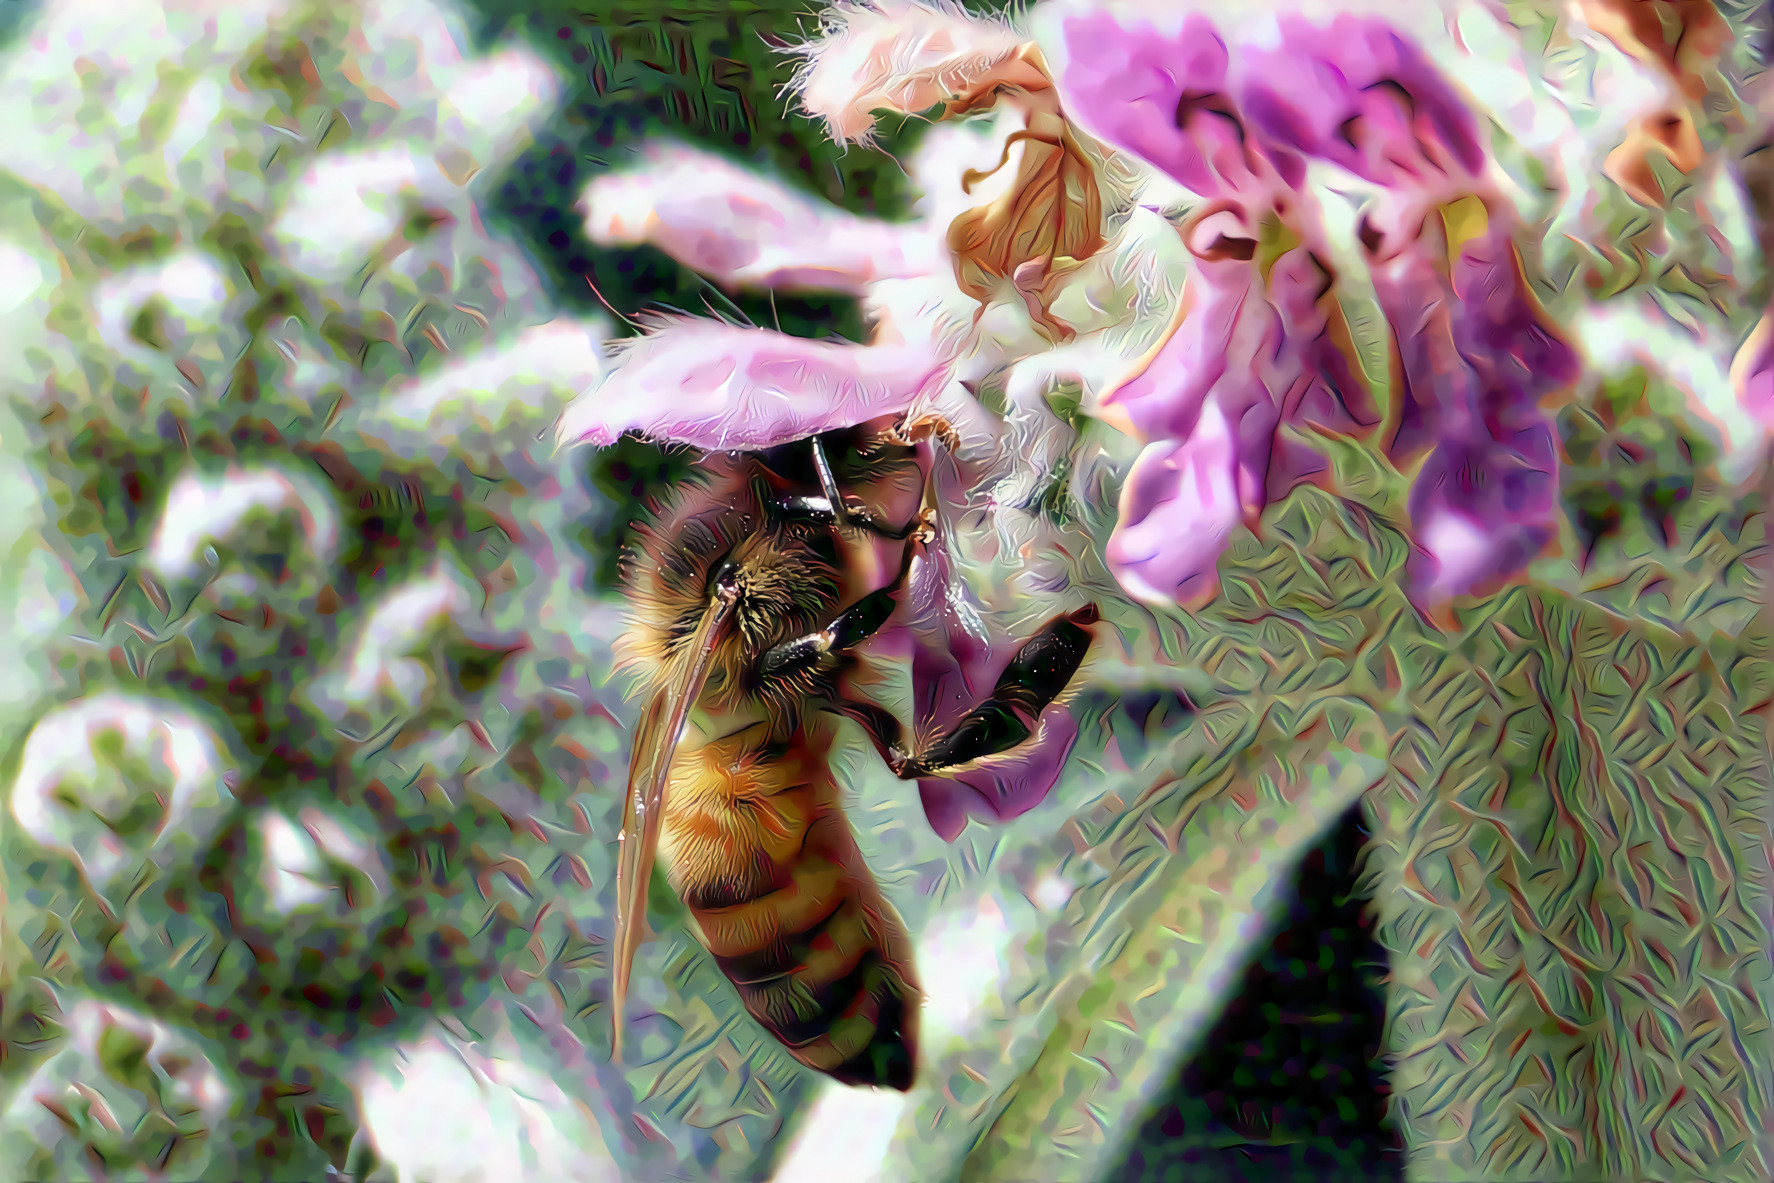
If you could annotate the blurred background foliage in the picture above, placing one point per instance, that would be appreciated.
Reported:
(1561, 832)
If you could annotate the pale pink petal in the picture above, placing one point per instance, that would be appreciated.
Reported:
(719, 386)
(741, 229)
(1752, 372)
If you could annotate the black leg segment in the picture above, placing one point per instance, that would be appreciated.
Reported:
(853, 515)
(852, 626)
(849, 628)
(1035, 676)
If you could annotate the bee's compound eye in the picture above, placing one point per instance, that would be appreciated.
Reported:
(727, 577)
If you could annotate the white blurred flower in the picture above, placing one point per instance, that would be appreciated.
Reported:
(1051, 893)
(516, 386)
(124, 1086)
(87, 70)
(315, 865)
(391, 669)
(440, 1110)
(844, 1137)
(961, 958)
(189, 285)
(21, 277)
(111, 780)
(235, 511)
(397, 628)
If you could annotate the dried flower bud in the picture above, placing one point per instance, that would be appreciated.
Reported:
(911, 56)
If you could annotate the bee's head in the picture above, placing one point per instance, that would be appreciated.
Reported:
(782, 585)
(717, 544)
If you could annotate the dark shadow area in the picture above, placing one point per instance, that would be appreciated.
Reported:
(1287, 1084)
(14, 15)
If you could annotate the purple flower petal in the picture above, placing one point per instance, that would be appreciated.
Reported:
(1483, 506)
(1477, 356)
(1179, 505)
(1253, 347)
(1752, 373)
(1358, 94)
(955, 662)
(718, 386)
(1005, 789)
(1165, 98)
(731, 224)
(953, 671)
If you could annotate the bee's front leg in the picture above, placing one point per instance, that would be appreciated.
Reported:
(820, 651)
(929, 426)
(851, 513)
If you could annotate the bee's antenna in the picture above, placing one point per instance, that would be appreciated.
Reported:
(591, 283)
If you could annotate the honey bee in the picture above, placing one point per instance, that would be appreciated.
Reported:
(750, 591)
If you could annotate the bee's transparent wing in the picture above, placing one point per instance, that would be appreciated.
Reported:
(655, 745)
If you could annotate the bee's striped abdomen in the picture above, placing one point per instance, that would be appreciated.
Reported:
(761, 854)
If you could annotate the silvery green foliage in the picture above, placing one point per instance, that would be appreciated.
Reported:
(120, 1088)
(310, 728)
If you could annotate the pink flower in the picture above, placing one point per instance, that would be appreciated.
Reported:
(1014, 220)
(1257, 340)
(1478, 357)
(1254, 346)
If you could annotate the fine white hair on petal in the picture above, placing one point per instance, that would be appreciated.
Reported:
(740, 227)
(895, 55)
(710, 384)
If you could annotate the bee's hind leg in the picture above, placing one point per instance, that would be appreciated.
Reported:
(1035, 675)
